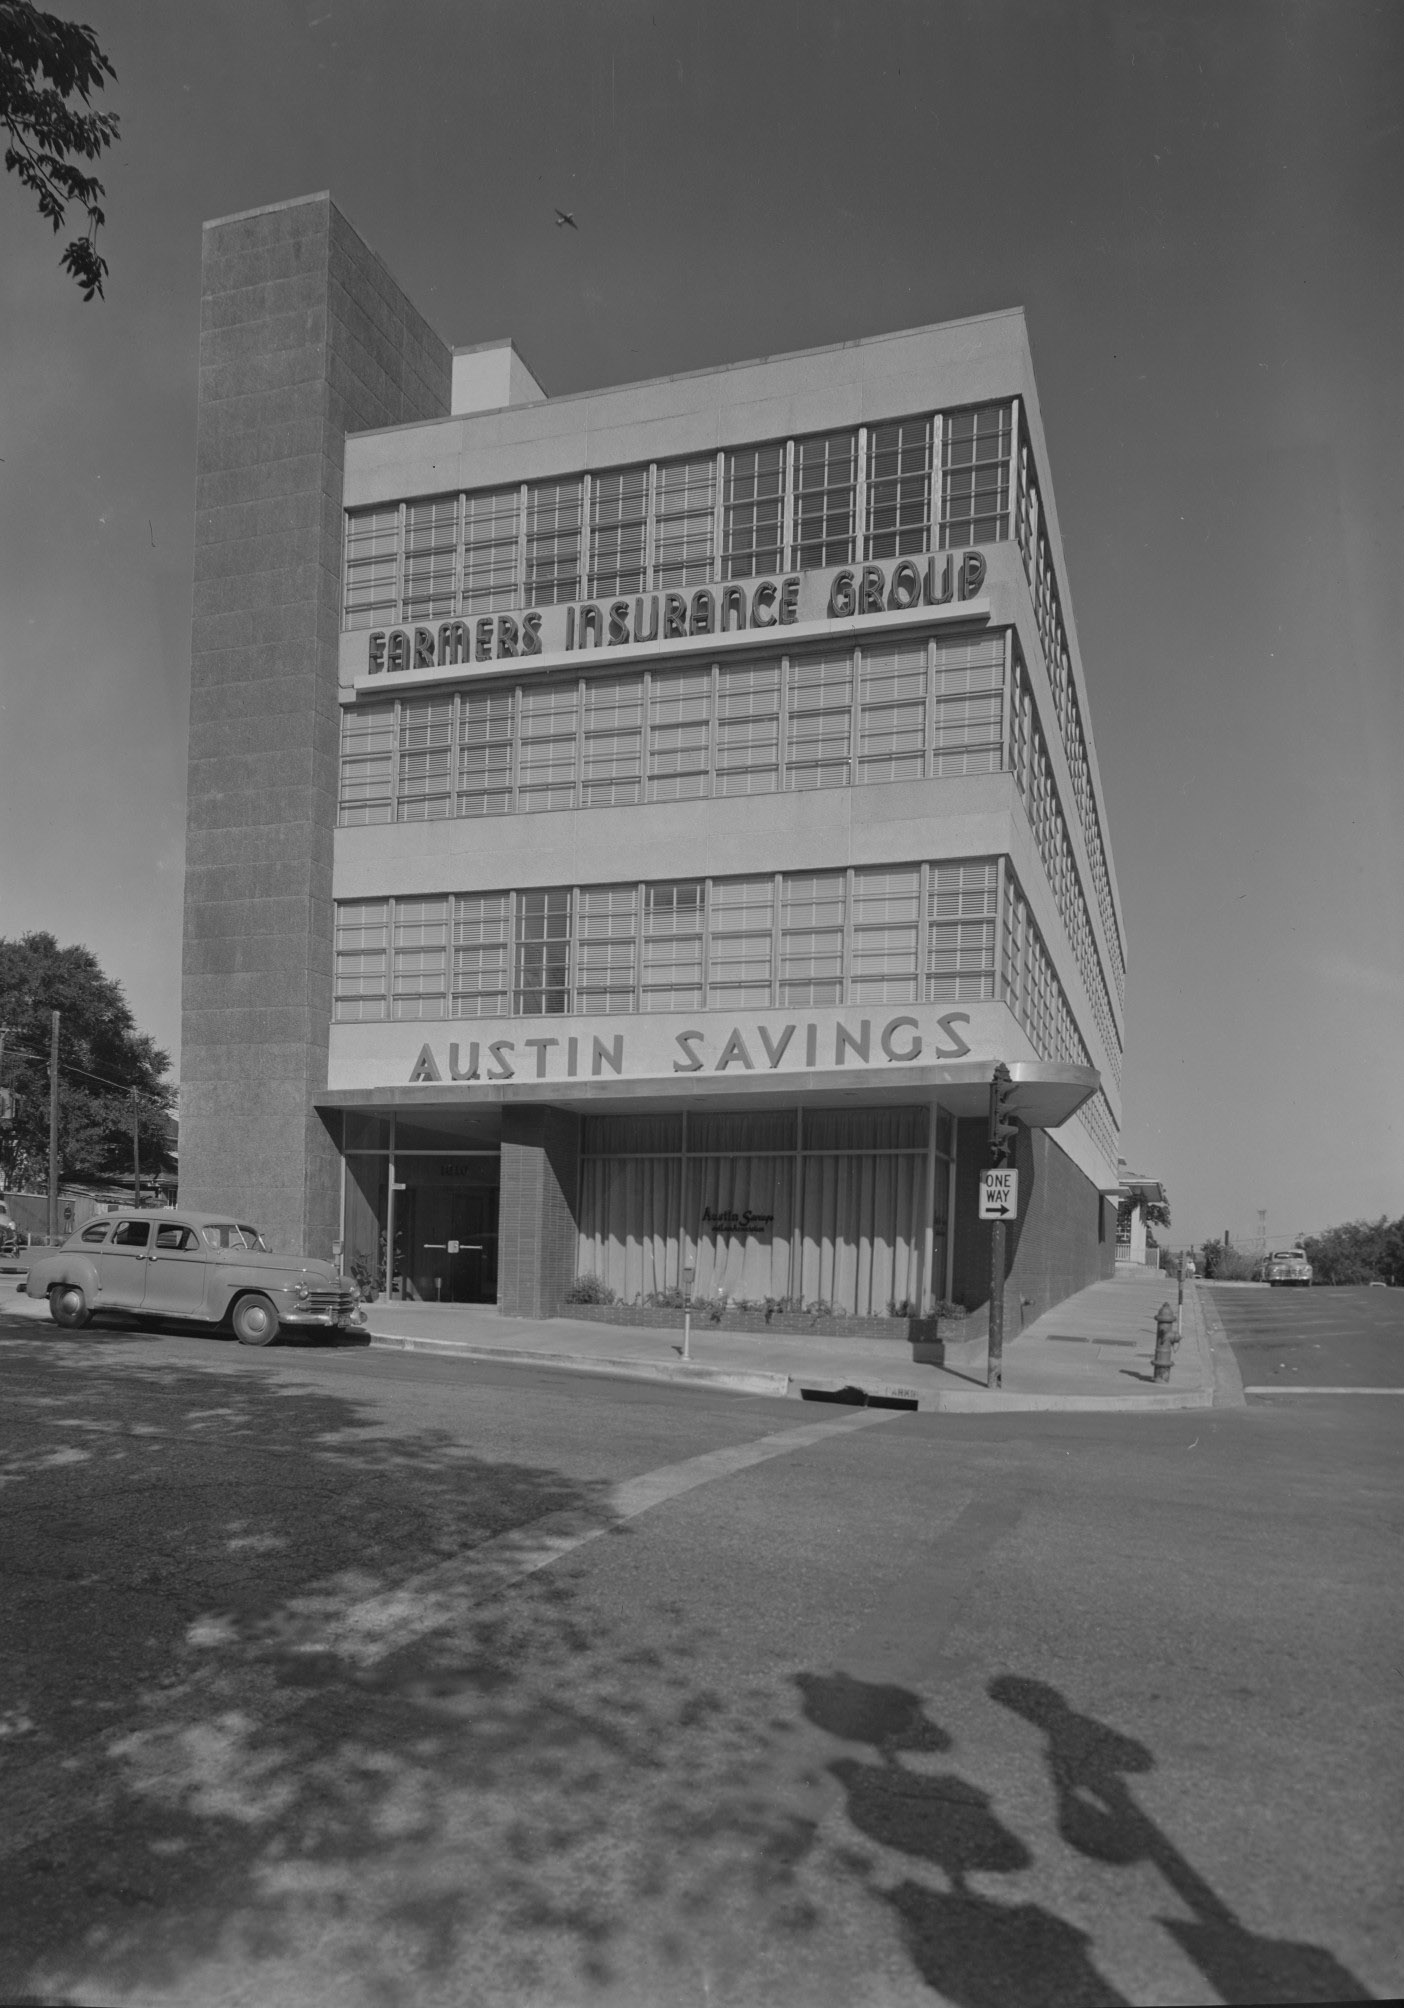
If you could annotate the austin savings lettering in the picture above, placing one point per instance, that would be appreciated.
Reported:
(899, 1041)
(652, 617)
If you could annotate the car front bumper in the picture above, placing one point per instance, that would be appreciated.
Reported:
(328, 1319)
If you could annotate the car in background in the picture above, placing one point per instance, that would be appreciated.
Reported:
(202, 1266)
(1287, 1265)
(9, 1230)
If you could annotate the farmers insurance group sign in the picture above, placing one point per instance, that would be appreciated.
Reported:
(672, 1047)
(543, 636)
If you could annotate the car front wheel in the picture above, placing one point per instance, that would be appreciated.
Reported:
(68, 1306)
(255, 1321)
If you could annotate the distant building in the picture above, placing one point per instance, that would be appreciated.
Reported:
(627, 828)
(1135, 1239)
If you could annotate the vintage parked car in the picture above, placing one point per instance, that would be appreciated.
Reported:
(1287, 1265)
(9, 1232)
(202, 1266)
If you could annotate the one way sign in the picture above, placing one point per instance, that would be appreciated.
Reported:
(999, 1195)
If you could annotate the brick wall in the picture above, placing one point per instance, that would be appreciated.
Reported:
(1063, 1240)
(303, 336)
(537, 1227)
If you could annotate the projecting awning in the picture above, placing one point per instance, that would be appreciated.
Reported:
(1046, 1093)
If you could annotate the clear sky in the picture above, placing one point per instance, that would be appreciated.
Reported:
(1200, 207)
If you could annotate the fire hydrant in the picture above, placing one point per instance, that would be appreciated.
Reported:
(1164, 1342)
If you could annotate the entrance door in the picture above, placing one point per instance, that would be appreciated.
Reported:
(447, 1228)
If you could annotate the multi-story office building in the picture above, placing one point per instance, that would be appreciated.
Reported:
(628, 827)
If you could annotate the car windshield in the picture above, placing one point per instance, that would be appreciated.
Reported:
(1288, 1255)
(225, 1234)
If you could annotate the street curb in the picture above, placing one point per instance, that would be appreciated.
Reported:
(738, 1381)
(977, 1401)
(1228, 1381)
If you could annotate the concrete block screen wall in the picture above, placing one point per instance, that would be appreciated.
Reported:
(709, 757)
(304, 337)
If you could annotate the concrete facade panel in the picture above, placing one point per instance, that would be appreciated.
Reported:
(973, 816)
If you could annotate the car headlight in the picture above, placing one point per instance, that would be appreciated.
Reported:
(301, 1290)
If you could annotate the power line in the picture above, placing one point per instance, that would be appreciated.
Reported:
(69, 1067)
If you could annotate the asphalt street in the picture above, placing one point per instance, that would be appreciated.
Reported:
(1351, 1338)
(339, 1677)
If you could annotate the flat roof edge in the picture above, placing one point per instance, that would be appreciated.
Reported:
(712, 369)
(267, 209)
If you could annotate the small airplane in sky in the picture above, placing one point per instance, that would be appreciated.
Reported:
(564, 216)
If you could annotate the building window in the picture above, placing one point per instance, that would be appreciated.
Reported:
(362, 941)
(672, 945)
(811, 938)
(684, 522)
(546, 746)
(481, 941)
(892, 716)
(491, 573)
(886, 926)
(975, 476)
(883, 934)
(960, 948)
(426, 754)
(679, 734)
(968, 715)
(485, 736)
(613, 742)
(431, 551)
(748, 728)
(825, 500)
(372, 567)
(553, 542)
(754, 526)
(367, 764)
(618, 524)
(741, 932)
(899, 489)
(819, 723)
(541, 982)
(606, 947)
(420, 981)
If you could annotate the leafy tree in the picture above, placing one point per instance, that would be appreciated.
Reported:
(1217, 1259)
(1157, 1212)
(102, 1058)
(1358, 1251)
(44, 62)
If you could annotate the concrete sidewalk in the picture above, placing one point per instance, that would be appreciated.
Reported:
(1093, 1352)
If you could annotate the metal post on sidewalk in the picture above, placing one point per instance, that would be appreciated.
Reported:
(53, 1124)
(687, 1311)
(995, 1375)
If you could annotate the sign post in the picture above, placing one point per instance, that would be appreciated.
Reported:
(999, 1202)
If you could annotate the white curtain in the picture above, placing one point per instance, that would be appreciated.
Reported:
(853, 1240)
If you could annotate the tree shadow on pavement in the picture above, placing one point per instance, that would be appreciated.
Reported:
(1088, 1765)
(275, 1730)
(980, 1952)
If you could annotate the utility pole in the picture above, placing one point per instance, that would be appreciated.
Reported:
(1002, 1133)
(53, 1125)
(136, 1150)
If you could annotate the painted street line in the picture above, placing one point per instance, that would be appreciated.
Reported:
(366, 1629)
(1274, 1387)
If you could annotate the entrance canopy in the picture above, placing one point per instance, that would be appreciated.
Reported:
(1046, 1092)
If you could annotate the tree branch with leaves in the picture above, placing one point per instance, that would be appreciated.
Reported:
(44, 63)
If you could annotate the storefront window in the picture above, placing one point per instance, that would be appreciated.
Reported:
(814, 1207)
